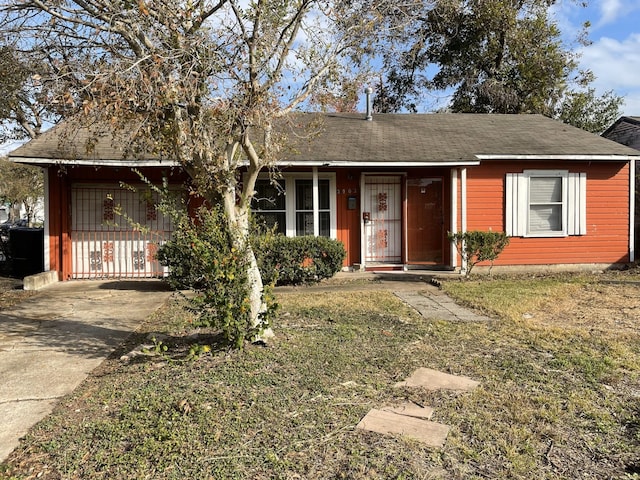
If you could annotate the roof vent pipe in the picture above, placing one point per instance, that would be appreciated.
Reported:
(368, 91)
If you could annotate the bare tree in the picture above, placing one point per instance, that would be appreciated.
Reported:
(23, 106)
(200, 81)
(20, 185)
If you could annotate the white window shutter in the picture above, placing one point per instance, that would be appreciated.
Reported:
(516, 203)
(577, 204)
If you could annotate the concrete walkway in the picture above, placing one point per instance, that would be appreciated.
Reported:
(51, 342)
(415, 288)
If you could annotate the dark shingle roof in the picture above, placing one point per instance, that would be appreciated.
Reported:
(448, 138)
(389, 138)
(70, 142)
(626, 131)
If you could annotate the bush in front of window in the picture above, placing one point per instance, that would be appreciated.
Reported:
(476, 246)
(298, 260)
(201, 258)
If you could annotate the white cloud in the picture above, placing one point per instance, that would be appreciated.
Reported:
(610, 10)
(616, 64)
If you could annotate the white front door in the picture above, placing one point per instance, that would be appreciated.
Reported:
(382, 218)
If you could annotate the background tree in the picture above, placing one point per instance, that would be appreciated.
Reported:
(23, 108)
(20, 185)
(202, 81)
(495, 56)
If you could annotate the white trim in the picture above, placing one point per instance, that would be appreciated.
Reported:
(518, 203)
(363, 236)
(363, 244)
(632, 211)
(577, 216)
(390, 164)
(454, 215)
(325, 163)
(404, 227)
(47, 219)
(316, 202)
(96, 163)
(563, 175)
(588, 158)
(289, 180)
(463, 206)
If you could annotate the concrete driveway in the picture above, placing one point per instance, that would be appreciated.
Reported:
(51, 342)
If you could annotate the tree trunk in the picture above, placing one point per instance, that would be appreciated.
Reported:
(14, 212)
(238, 218)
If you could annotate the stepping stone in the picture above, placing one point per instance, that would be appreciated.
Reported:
(430, 433)
(435, 380)
(410, 410)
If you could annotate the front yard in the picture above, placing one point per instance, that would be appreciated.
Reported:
(559, 398)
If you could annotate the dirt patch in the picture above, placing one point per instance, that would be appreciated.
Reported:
(11, 292)
(603, 307)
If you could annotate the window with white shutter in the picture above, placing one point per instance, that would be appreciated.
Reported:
(545, 203)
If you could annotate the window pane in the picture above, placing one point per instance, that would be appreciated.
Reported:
(325, 224)
(271, 219)
(269, 196)
(323, 191)
(545, 218)
(546, 190)
(304, 195)
(304, 223)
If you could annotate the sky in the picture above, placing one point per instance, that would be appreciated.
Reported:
(614, 53)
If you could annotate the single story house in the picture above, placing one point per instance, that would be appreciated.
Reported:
(389, 187)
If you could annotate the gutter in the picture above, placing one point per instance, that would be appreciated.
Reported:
(95, 163)
(577, 158)
(381, 164)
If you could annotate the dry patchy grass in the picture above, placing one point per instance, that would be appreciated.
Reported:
(558, 398)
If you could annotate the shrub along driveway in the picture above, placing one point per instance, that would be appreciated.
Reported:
(558, 397)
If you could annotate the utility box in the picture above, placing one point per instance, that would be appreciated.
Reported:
(26, 246)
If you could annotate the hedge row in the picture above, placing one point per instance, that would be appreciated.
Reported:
(298, 260)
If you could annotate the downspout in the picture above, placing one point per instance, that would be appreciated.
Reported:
(632, 211)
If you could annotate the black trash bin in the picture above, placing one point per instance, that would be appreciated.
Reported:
(27, 250)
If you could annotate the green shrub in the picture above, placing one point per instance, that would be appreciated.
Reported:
(200, 257)
(297, 260)
(476, 246)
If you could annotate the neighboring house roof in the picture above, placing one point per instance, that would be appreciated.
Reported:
(389, 139)
(626, 131)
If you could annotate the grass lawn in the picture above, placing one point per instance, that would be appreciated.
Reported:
(559, 395)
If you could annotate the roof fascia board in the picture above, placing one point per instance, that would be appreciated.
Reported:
(577, 158)
(302, 163)
(95, 163)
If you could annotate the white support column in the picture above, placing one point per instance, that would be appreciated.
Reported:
(363, 236)
(454, 215)
(463, 207)
(316, 203)
(632, 211)
(404, 223)
(47, 219)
